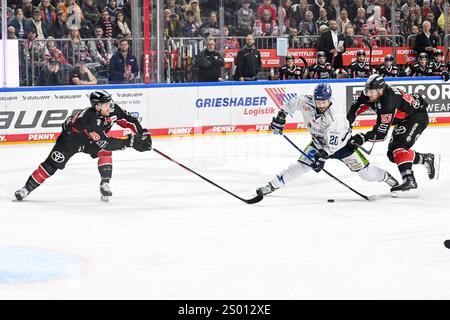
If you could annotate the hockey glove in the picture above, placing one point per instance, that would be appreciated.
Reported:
(357, 140)
(445, 75)
(139, 142)
(278, 123)
(319, 160)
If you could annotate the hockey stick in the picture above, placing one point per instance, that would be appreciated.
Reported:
(332, 176)
(305, 65)
(256, 199)
(368, 152)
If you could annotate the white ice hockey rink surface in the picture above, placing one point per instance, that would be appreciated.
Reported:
(166, 234)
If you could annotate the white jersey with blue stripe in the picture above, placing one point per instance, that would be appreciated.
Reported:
(330, 130)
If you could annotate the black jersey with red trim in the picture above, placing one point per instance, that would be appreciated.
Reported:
(437, 68)
(388, 71)
(394, 106)
(287, 73)
(416, 70)
(321, 71)
(359, 70)
(91, 127)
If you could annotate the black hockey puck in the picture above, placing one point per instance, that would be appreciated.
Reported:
(447, 244)
(330, 200)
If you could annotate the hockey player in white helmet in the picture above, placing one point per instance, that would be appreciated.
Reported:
(330, 131)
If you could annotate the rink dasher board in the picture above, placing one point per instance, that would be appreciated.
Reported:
(32, 115)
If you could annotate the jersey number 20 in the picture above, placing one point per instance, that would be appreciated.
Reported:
(334, 141)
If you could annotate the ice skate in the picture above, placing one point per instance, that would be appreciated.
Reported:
(390, 180)
(21, 194)
(105, 191)
(407, 188)
(267, 189)
(432, 164)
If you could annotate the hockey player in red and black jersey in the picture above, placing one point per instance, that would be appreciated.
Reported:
(408, 113)
(291, 71)
(388, 69)
(322, 69)
(438, 66)
(86, 132)
(420, 68)
(359, 68)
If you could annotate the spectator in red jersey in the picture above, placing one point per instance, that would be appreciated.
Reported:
(267, 5)
(426, 8)
(266, 26)
(51, 51)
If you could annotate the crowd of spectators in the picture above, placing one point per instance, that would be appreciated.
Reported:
(358, 23)
(71, 41)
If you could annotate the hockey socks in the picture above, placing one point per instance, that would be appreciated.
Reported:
(42, 173)
(105, 165)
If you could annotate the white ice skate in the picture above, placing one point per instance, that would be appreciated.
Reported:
(267, 189)
(21, 194)
(105, 191)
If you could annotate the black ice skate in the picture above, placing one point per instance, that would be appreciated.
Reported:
(432, 165)
(409, 184)
(268, 188)
(390, 180)
(21, 194)
(105, 191)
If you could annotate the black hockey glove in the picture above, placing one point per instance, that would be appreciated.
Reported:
(278, 123)
(319, 160)
(139, 142)
(445, 75)
(356, 141)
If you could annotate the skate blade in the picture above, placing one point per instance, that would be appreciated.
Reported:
(437, 166)
(414, 193)
(104, 198)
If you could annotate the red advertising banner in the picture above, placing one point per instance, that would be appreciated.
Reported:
(192, 131)
(270, 59)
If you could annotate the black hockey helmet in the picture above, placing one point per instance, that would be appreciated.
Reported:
(423, 55)
(321, 54)
(375, 81)
(360, 53)
(99, 96)
(438, 52)
(389, 57)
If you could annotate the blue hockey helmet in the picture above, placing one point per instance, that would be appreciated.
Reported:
(322, 92)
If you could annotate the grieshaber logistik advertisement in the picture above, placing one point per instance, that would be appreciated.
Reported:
(36, 116)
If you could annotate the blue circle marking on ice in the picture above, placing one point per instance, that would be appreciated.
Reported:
(21, 264)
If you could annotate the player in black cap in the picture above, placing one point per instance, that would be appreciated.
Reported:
(420, 68)
(359, 68)
(322, 69)
(388, 69)
(290, 71)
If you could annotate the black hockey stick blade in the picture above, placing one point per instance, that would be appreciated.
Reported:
(253, 200)
(368, 152)
(329, 174)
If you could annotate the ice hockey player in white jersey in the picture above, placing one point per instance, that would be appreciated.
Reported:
(330, 131)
